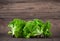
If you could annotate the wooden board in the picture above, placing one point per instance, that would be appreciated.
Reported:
(30, 10)
(25, 1)
(4, 37)
(21, 1)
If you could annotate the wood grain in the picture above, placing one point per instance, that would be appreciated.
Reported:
(31, 10)
(21, 1)
(25, 1)
(31, 7)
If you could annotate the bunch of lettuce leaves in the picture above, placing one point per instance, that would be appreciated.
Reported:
(16, 27)
(26, 29)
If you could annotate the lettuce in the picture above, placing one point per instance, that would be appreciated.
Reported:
(32, 28)
(47, 28)
(16, 26)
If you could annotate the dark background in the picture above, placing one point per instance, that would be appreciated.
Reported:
(28, 10)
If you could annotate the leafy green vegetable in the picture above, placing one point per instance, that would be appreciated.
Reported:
(31, 29)
(16, 27)
(47, 29)
(36, 27)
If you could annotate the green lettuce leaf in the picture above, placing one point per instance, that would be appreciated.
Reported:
(16, 27)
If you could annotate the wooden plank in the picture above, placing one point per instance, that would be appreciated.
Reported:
(31, 10)
(35, 39)
(26, 1)
(5, 37)
(22, 1)
(31, 7)
(22, 39)
(30, 15)
(56, 39)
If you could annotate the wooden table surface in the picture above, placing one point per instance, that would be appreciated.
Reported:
(28, 10)
(5, 37)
